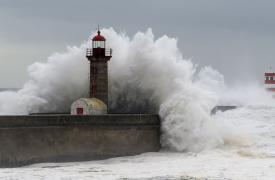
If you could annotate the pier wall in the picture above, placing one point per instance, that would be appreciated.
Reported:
(63, 138)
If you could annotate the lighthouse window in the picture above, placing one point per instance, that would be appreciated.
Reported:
(266, 78)
(99, 44)
(271, 78)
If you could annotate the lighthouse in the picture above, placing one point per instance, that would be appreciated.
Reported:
(270, 82)
(98, 56)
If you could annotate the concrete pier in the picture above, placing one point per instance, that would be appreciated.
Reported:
(62, 138)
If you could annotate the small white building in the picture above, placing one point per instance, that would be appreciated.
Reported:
(88, 106)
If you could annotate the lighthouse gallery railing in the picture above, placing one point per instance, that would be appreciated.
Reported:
(89, 52)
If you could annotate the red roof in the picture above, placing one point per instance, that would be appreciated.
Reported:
(269, 81)
(98, 37)
(269, 74)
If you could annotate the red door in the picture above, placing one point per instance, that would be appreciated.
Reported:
(79, 111)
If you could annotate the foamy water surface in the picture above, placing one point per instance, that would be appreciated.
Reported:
(248, 154)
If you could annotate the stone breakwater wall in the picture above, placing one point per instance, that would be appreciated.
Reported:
(62, 138)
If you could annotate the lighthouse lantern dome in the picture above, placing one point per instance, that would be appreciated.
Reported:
(99, 41)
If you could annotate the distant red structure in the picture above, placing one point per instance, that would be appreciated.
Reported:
(270, 81)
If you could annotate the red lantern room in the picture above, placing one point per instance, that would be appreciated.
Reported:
(99, 47)
(98, 41)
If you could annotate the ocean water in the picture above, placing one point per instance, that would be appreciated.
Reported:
(249, 153)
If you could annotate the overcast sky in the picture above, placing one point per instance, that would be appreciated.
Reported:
(236, 37)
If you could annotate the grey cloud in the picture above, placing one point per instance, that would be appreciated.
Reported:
(228, 35)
